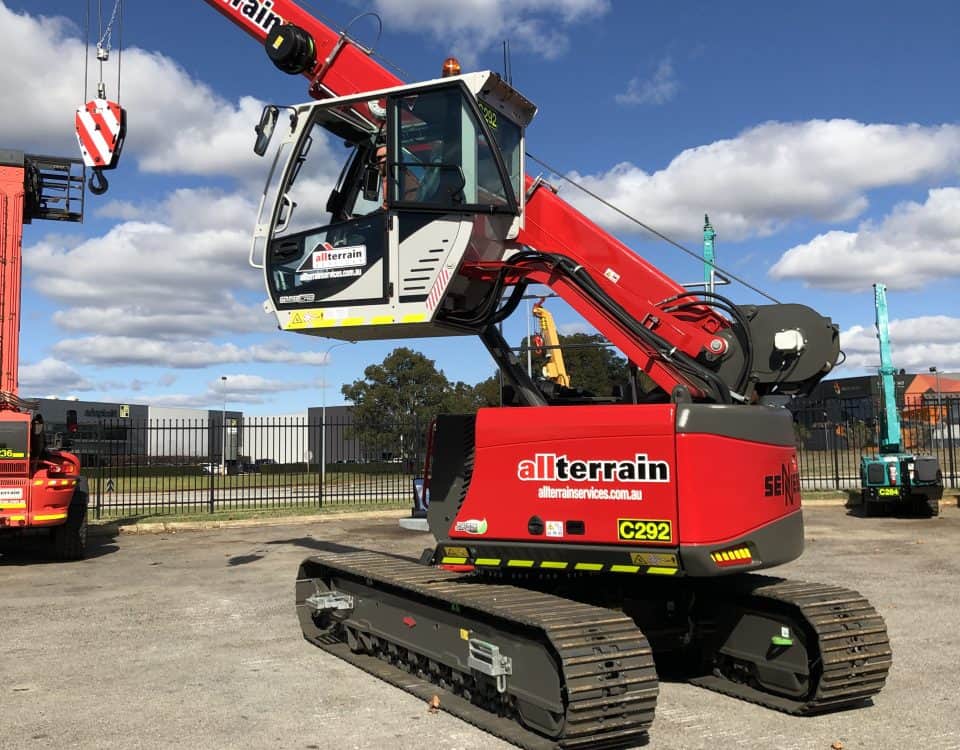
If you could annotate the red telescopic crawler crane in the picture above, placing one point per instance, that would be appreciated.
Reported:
(581, 546)
(42, 495)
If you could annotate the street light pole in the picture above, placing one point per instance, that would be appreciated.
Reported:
(223, 429)
(323, 418)
(936, 374)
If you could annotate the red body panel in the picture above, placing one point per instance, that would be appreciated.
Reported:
(634, 469)
(43, 500)
(723, 486)
(33, 493)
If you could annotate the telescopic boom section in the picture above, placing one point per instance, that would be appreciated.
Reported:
(11, 238)
(334, 64)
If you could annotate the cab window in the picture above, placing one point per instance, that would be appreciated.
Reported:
(442, 157)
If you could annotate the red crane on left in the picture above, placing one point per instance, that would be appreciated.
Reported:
(42, 495)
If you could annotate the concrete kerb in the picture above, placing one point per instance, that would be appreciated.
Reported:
(113, 528)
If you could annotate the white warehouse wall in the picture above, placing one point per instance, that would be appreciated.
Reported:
(177, 431)
(282, 438)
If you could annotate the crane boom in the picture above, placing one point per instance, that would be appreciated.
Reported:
(555, 369)
(11, 239)
(338, 66)
(891, 438)
(895, 477)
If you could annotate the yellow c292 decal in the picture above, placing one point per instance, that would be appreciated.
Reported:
(644, 530)
(489, 115)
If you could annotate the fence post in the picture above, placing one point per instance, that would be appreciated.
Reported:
(99, 461)
(323, 452)
(836, 462)
(212, 499)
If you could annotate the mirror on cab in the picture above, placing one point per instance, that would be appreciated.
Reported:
(264, 131)
(372, 177)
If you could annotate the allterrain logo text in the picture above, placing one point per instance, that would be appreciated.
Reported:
(258, 11)
(550, 467)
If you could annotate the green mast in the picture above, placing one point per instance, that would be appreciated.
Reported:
(891, 439)
(709, 274)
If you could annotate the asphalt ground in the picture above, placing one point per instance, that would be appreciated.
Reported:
(189, 640)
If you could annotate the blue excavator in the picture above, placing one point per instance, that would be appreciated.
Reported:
(896, 481)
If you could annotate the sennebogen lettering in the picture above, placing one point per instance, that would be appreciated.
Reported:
(258, 11)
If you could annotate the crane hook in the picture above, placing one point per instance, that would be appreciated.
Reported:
(98, 183)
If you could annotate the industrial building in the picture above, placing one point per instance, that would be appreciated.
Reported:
(929, 403)
(175, 434)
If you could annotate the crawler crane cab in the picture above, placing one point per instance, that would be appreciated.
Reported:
(433, 177)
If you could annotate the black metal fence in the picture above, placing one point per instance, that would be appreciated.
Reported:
(149, 468)
(159, 467)
(832, 434)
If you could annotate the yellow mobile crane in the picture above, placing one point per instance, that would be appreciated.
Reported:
(549, 340)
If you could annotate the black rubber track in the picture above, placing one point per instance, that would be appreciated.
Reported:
(610, 682)
(852, 651)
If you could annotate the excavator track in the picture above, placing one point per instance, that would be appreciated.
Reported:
(848, 649)
(580, 676)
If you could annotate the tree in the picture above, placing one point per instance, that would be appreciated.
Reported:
(487, 391)
(395, 402)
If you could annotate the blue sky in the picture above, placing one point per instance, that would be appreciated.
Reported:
(823, 140)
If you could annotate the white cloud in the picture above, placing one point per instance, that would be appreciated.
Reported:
(176, 124)
(659, 88)
(182, 400)
(123, 210)
(568, 329)
(176, 276)
(472, 26)
(237, 386)
(227, 316)
(239, 389)
(772, 174)
(52, 376)
(915, 343)
(913, 245)
(185, 354)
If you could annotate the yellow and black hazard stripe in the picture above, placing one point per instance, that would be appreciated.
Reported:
(639, 565)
